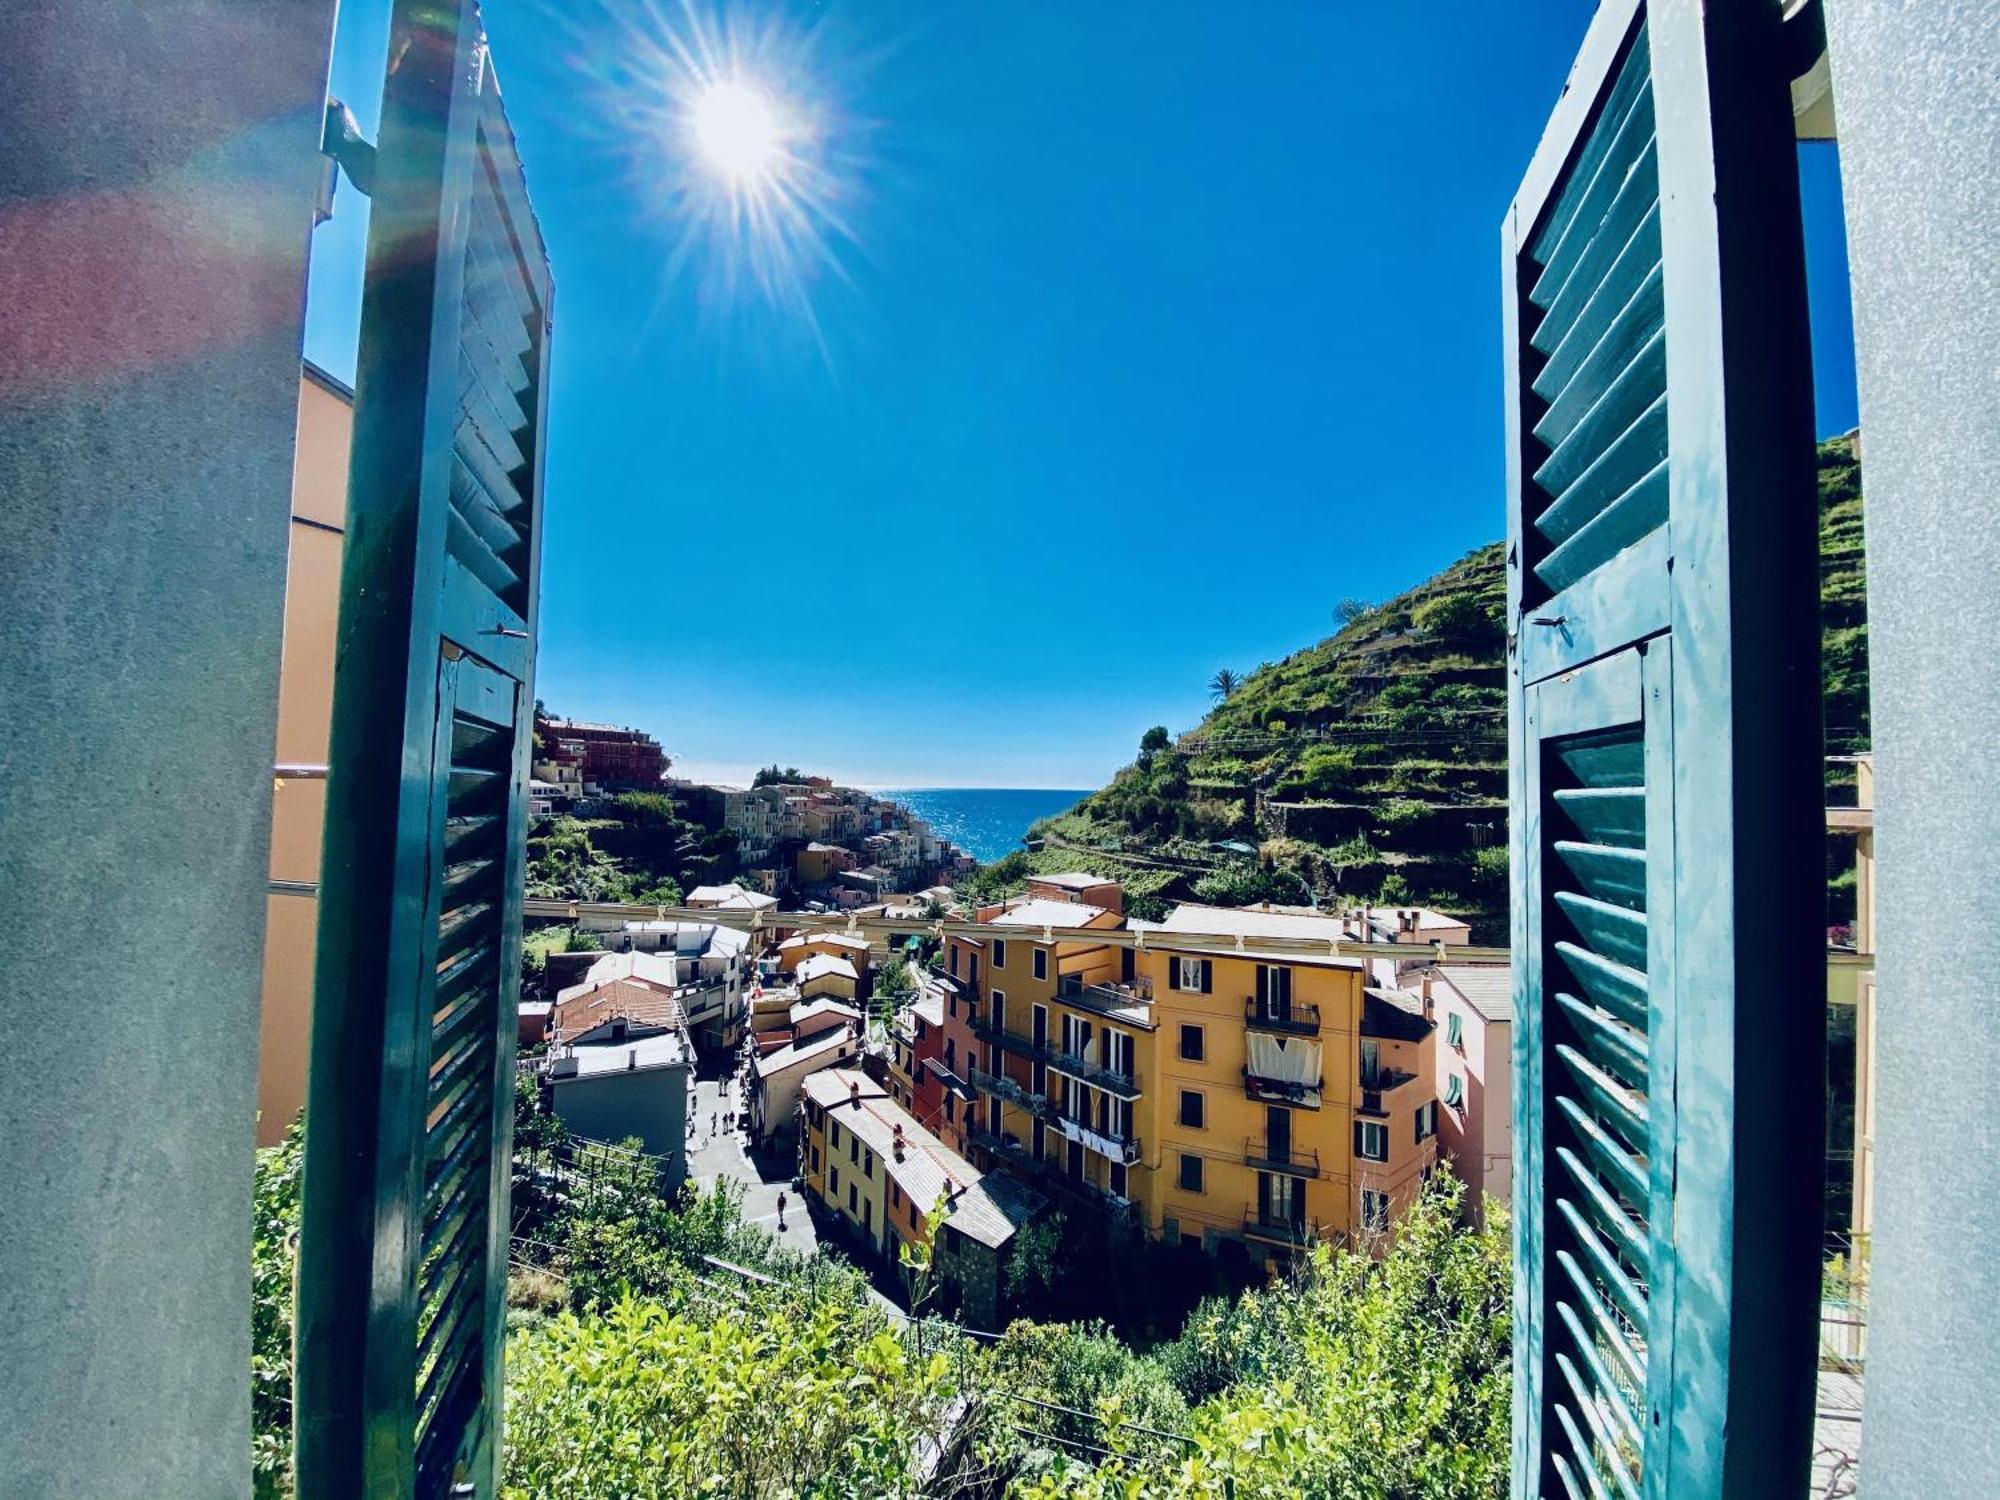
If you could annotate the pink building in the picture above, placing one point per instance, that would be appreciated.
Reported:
(1474, 1007)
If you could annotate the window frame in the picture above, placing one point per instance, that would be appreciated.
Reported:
(1200, 1121)
(1376, 1222)
(1362, 1129)
(1199, 1166)
(1199, 1033)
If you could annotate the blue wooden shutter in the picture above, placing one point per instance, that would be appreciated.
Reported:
(1665, 772)
(410, 1107)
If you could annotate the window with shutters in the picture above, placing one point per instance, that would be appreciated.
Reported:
(1662, 578)
(405, 1224)
(1191, 1043)
(1190, 1173)
(1371, 1140)
(1374, 1211)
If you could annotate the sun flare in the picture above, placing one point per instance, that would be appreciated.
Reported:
(736, 130)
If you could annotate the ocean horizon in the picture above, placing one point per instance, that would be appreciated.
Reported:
(986, 822)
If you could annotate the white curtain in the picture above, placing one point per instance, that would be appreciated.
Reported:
(1285, 1059)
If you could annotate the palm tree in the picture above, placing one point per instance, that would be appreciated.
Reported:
(1223, 684)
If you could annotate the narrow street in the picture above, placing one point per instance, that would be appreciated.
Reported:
(715, 1153)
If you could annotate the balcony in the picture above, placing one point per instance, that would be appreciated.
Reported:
(1000, 1087)
(1119, 1148)
(1050, 1172)
(1130, 1003)
(1276, 1230)
(1281, 1091)
(1119, 1085)
(1376, 1088)
(1296, 1160)
(1011, 1041)
(1290, 1020)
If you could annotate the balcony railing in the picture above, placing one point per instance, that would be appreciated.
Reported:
(1011, 1041)
(1051, 1171)
(1117, 1001)
(1121, 1085)
(1293, 1020)
(1001, 1087)
(1265, 1157)
(1119, 1148)
(1276, 1230)
(1375, 1087)
(1282, 1091)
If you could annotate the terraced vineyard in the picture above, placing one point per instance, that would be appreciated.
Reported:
(1373, 765)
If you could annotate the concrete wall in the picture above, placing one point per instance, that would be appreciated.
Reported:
(1920, 153)
(651, 1104)
(158, 168)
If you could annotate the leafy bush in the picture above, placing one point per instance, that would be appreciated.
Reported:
(274, 1249)
(1245, 884)
(1368, 1380)
(654, 1400)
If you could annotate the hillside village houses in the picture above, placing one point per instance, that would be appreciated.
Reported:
(1236, 1105)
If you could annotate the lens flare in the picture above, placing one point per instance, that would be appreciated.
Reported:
(733, 132)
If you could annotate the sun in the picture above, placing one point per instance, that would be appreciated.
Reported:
(736, 130)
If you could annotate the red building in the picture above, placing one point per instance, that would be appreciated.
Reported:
(610, 756)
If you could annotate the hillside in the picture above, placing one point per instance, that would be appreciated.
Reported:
(1373, 765)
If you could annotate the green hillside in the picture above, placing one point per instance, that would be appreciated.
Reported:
(1373, 765)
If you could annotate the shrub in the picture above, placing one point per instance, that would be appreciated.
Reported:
(274, 1249)
(1382, 1380)
(756, 1396)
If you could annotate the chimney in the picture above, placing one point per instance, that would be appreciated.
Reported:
(853, 1093)
(632, 1060)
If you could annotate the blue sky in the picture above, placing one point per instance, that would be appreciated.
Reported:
(1150, 331)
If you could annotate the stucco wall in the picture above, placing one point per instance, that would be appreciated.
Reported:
(651, 1104)
(1920, 154)
(158, 167)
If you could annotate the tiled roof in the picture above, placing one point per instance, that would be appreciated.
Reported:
(928, 1168)
(826, 963)
(826, 1044)
(1041, 912)
(648, 968)
(1487, 988)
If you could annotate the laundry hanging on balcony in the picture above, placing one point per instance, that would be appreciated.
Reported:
(1284, 1059)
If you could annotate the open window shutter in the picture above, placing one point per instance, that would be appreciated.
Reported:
(1207, 976)
(404, 1242)
(1665, 772)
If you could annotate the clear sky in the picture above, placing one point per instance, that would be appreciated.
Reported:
(1131, 336)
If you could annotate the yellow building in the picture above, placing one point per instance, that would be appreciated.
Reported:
(305, 720)
(882, 1177)
(1294, 1102)
(1226, 1102)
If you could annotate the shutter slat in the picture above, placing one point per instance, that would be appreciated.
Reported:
(1580, 1459)
(1636, 384)
(1610, 1215)
(1623, 1049)
(1627, 1172)
(1634, 74)
(1627, 343)
(1613, 815)
(1592, 1407)
(1609, 1331)
(1614, 1399)
(1624, 1292)
(1617, 987)
(1630, 518)
(1607, 873)
(1620, 1107)
(1615, 471)
(1616, 932)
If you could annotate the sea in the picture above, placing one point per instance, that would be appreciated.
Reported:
(986, 822)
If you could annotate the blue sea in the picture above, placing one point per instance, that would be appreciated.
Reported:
(986, 822)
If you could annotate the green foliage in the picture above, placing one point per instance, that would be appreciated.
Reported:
(1456, 617)
(1223, 684)
(1367, 1380)
(1004, 877)
(1244, 884)
(274, 1248)
(665, 1399)
(1089, 1382)
(771, 775)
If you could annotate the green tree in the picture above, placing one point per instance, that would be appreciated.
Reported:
(1223, 685)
